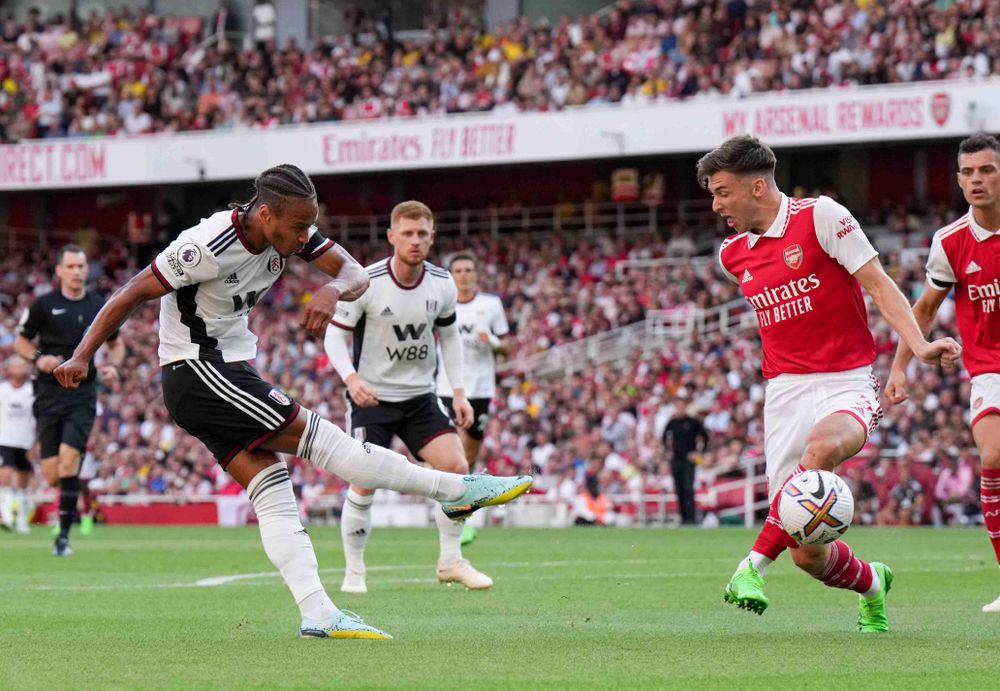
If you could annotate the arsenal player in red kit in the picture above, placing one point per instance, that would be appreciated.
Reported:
(801, 264)
(966, 256)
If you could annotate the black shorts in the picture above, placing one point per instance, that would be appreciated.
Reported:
(64, 416)
(226, 405)
(416, 422)
(480, 415)
(13, 457)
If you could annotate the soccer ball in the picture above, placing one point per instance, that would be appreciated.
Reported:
(816, 507)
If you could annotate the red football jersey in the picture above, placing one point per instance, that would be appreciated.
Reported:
(798, 275)
(967, 256)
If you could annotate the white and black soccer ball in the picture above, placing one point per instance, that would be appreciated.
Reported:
(816, 507)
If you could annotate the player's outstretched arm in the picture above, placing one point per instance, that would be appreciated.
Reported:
(924, 310)
(350, 281)
(142, 287)
(895, 308)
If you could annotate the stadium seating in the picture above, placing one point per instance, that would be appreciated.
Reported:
(604, 420)
(135, 73)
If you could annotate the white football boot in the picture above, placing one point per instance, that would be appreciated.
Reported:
(463, 572)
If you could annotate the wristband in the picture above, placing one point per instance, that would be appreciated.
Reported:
(37, 354)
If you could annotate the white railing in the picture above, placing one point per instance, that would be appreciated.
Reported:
(587, 218)
(681, 324)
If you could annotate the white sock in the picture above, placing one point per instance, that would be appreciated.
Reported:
(355, 527)
(23, 508)
(6, 506)
(876, 585)
(286, 542)
(450, 535)
(368, 465)
(759, 561)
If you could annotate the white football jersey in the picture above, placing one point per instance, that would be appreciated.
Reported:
(482, 314)
(216, 277)
(17, 420)
(393, 326)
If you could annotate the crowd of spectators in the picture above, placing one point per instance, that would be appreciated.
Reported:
(604, 421)
(130, 72)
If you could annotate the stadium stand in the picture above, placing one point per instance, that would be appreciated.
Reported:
(125, 73)
(603, 419)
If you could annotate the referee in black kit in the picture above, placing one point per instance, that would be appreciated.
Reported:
(64, 416)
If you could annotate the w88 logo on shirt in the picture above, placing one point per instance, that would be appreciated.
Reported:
(409, 353)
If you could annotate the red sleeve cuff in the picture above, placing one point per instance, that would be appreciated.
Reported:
(327, 244)
(345, 327)
(160, 278)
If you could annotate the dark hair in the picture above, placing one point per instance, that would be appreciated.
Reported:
(980, 141)
(742, 154)
(276, 185)
(462, 256)
(66, 249)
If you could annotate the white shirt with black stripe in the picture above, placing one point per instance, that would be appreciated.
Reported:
(216, 277)
(482, 314)
(393, 326)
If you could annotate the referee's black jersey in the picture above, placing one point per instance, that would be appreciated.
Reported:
(60, 324)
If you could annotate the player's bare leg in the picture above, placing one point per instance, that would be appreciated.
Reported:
(832, 440)
(986, 433)
(68, 471)
(289, 548)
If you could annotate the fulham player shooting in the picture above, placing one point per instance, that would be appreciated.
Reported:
(208, 280)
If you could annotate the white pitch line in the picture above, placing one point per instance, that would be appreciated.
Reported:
(243, 580)
(226, 580)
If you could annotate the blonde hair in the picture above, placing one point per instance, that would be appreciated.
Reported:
(411, 209)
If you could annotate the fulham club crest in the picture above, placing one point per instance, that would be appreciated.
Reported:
(274, 266)
(279, 397)
(793, 256)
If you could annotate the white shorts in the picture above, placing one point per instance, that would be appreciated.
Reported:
(985, 397)
(794, 403)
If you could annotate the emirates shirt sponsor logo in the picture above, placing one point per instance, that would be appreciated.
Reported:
(777, 304)
(986, 293)
(793, 256)
(973, 267)
(746, 276)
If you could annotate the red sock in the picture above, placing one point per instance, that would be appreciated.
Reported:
(844, 570)
(772, 539)
(989, 494)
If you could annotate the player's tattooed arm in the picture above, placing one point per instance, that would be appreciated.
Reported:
(142, 287)
(350, 279)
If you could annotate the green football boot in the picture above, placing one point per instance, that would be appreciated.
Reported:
(871, 613)
(746, 590)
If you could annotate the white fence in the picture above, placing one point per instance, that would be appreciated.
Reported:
(643, 337)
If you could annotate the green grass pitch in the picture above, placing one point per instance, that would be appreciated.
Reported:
(580, 608)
